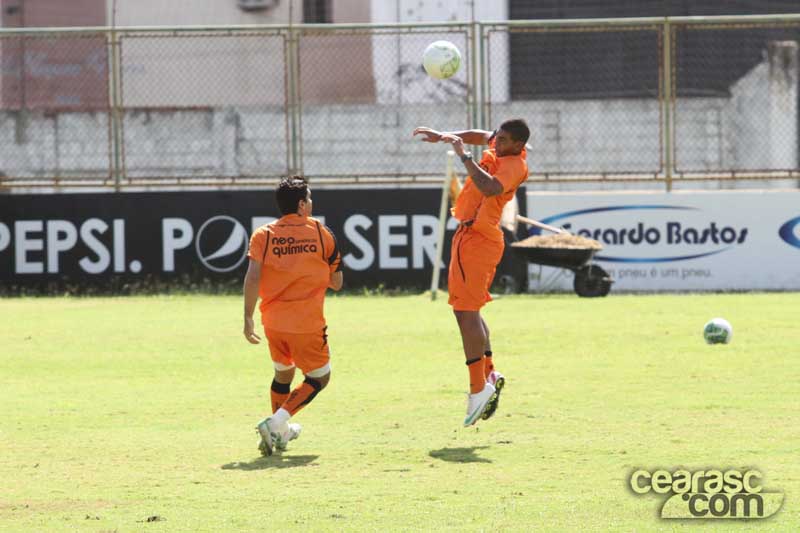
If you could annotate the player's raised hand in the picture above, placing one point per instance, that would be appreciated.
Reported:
(249, 331)
(454, 140)
(430, 136)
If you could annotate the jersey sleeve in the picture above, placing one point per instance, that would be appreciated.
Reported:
(334, 255)
(258, 245)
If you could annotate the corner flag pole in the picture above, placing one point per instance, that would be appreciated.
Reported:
(442, 224)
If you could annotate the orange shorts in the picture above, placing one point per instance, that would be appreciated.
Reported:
(473, 260)
(306, 351)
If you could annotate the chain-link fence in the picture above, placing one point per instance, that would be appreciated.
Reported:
(591, 94)
(54, 107)
(736, 99)
(357, 115)
(646, 99)
(204, 106)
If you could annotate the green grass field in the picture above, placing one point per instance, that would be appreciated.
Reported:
(115, 410)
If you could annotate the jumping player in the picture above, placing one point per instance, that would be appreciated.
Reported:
(477, 246)
(293, 261)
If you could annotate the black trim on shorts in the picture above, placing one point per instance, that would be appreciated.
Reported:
(458, 252)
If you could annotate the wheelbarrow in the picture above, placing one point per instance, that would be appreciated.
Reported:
(590, 279)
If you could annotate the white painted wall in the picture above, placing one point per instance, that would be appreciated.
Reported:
(186, 71)
(197, 12)
(397, 60)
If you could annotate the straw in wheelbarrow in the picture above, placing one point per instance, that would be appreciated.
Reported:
(559, 240)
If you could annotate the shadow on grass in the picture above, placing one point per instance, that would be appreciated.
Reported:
(459, 455)
(275, 461)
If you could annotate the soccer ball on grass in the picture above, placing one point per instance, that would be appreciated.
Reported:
(718, 331)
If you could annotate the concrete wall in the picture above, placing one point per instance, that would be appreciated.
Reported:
(44, 145)
(754, 129)
(216, 106)
(763, 111)
(568, 136)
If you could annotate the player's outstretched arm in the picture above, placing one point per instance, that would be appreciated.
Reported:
(485, 182)
(250, 289)
(473, 137)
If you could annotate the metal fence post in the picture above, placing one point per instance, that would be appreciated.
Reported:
(483, 103)
(474, 75)
(115, 95)
(294, 100)
(667, 103)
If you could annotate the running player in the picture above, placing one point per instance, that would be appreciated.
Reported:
(293, 261)
(477, 246)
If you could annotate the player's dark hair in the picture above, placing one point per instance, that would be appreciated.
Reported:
(289, 193)
(517, 128)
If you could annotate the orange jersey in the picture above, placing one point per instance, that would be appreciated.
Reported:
(511, 171)
(297, 256)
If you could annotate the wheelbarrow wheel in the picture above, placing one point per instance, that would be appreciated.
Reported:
(591, 281)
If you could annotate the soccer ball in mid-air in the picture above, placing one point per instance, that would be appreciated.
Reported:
(441, 59)
(718, 331)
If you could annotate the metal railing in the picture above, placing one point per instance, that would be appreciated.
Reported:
(654, 99)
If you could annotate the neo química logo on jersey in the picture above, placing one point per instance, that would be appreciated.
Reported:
(790, 232)
(708, 494)
(684, 232)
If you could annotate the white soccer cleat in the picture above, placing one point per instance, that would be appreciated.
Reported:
(499, 381)
(476, 404)
(266, 444)
(292, 432)
(275, 438)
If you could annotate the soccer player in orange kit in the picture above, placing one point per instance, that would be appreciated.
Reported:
(477, 245)
(293, 261)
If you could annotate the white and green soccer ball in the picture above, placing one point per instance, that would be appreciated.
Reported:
(441, 59)
(718, 331)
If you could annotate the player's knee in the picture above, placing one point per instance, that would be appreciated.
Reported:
(319, 378)
(284, 374)
(469, 321)
(318, 383)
